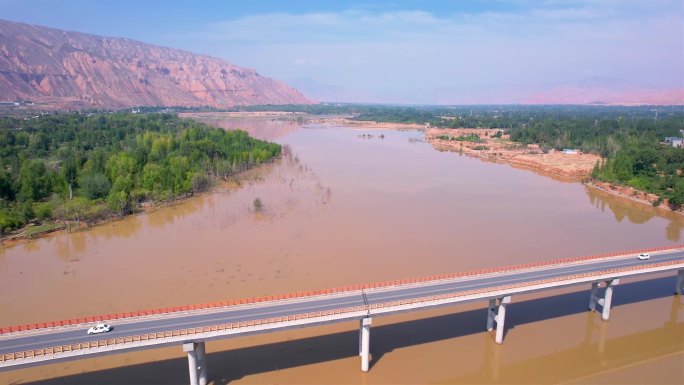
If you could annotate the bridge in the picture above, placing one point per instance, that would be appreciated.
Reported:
(192, 325)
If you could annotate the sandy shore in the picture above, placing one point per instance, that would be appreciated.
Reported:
(554, 164)
(363, 124)
(568, 167)
(574, 167)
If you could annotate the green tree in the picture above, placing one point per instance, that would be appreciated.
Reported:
(109, 163)
(69, 172)
(200, 182)
(34, 180)
(95, 186)
(676, 196)
(595, 170)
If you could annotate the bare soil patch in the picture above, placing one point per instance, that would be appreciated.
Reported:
(573, 166)
(635, 195)
(363, 124)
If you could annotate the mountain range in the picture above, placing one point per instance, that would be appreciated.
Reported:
(66, 69)
(71, 70)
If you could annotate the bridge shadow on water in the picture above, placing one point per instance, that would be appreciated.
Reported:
(230, 365)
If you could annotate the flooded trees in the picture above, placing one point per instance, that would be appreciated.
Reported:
(107, 164)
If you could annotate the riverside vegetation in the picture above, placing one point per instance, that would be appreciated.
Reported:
(74, 168)
(629, 139)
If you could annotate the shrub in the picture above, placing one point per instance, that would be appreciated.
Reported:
(200, 182)
(43, 210)
(257, 205)
(95, 186)
(9, 220)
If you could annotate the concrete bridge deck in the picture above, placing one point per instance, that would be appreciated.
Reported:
(51, 341)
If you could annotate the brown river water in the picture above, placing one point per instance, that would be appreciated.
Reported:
(345, 206)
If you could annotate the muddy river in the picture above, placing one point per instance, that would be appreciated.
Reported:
(346, 206)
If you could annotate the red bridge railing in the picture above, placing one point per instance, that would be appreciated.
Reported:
(305, 316)
(311, 293)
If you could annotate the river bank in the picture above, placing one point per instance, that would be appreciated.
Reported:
(339, 201)
(571, 167)
(34, 231)
(492, 144)
(575, 167)
(635, 195)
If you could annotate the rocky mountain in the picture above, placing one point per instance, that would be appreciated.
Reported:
(77, 70)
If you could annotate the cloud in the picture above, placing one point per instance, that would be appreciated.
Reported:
(304, 62)
(346, 26)
(400, 53)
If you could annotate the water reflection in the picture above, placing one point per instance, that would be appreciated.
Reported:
(31, 247)
(491, 362)
(600, 352)
(167, 215)
(673, 231)
(120, 229)
(595, 326)
(595, 358)
(71, 246)
(636, 212)
(676, 307)
(75, 244)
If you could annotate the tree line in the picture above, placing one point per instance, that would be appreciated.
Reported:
(76, 167)
(630, 139)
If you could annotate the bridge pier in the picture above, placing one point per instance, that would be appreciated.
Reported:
(679, 289)
(197, 362)
(364, 342)
(497, 313)
(605, 302)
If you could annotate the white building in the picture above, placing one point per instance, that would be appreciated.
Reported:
(674, 141)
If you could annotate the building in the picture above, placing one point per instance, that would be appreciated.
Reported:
(674, 141)
(6, 106)
(570, 151)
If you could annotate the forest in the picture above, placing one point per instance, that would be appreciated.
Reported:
(90, 167)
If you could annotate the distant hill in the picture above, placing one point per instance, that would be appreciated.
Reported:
(607, 91)
(77, 70)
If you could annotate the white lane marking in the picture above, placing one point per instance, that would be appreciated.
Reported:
(479, 283)
(76, 339)
(472, 284)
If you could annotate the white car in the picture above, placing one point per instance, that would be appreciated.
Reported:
(643, 256)
(99, 328)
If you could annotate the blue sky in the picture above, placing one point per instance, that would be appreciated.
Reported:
(404, 51)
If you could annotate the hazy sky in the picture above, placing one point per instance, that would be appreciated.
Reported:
(403, 51)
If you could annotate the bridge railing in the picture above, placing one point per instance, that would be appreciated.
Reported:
(189, 332)
(337, 290)
(176, 333)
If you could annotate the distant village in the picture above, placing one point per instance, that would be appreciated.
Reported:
(12, 105)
